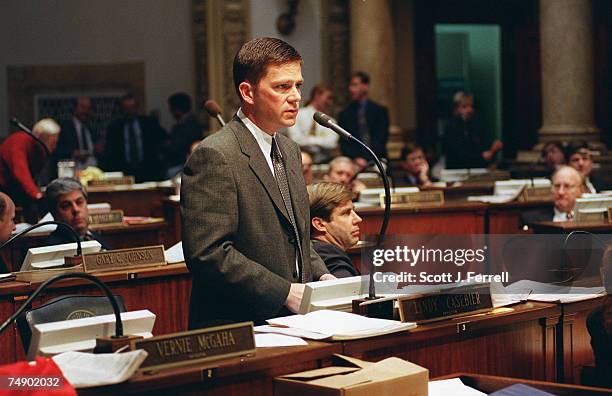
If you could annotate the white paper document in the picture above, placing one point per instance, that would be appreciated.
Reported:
(538, 291)
(290, 331)
(175, 254)
(84, 370)
(341, 325)
(452, 386)
(263, 340)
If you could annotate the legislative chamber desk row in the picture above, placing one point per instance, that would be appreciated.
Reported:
(451, 218)
(539, 341)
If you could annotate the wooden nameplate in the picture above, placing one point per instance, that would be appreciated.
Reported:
(421, 199)
(178, 349)
(108, 219)
(449, 303)
(530, 194)
(121, 259)
(112, 182)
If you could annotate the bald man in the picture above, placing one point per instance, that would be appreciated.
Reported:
(566, 187)
(7, 217)
(7, 223)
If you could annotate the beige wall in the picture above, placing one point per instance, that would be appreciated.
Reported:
(157, 32)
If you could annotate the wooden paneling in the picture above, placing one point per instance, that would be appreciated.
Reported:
(515, 344)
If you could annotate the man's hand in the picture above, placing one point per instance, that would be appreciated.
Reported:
(294, 299)
(424, 175)
(325, 277)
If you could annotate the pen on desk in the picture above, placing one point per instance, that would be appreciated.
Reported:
(123, 348)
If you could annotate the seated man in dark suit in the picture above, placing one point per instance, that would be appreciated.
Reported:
(334, 226)
(133, 143)
(366, 120)
(66, 199)
(566, 187)
(415, 166)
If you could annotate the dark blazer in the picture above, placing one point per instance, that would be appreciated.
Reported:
(68, 141)
(181, 137)
(463, 145)
(531, 216)
(152, 137)
(377, 117)
(61, 236)
(237, 238)
(599, 183)
(336, 260)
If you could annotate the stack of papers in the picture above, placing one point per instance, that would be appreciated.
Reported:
(83, 370)
(538, 291)
(334, 325)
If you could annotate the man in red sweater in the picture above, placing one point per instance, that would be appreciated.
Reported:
(21, 160)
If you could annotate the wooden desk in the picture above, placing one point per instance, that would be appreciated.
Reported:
(450, 218)
(574, 340)
(118, 237)
(506, 218)
(565, 227)
(489, 384)
(251, 375)
(517, 344)
(165, 291)
(143, 199)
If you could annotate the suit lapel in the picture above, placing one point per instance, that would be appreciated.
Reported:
(258, 164)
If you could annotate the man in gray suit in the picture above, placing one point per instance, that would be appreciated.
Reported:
(244, 203)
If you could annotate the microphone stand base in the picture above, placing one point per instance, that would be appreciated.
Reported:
(380, 310)
(112, 344)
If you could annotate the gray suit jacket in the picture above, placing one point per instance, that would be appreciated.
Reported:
(237, 238)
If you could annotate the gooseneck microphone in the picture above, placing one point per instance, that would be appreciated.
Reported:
(214, 110)
(326, 121)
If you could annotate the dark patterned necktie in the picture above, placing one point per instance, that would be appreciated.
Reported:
(283, 185)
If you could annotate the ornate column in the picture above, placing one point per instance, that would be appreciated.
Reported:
(373, 49)
(566, 47)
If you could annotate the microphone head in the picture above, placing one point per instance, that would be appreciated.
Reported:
(322, 119)
(212, 107)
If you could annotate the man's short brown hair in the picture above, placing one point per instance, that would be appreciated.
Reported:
(324, 197)
(256, 55)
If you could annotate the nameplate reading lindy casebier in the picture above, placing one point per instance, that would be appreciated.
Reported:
(200, 345)
(148, 256)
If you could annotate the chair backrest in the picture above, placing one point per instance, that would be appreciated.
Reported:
(64, 308)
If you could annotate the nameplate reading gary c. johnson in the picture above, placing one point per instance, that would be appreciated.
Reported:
(113, 260)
